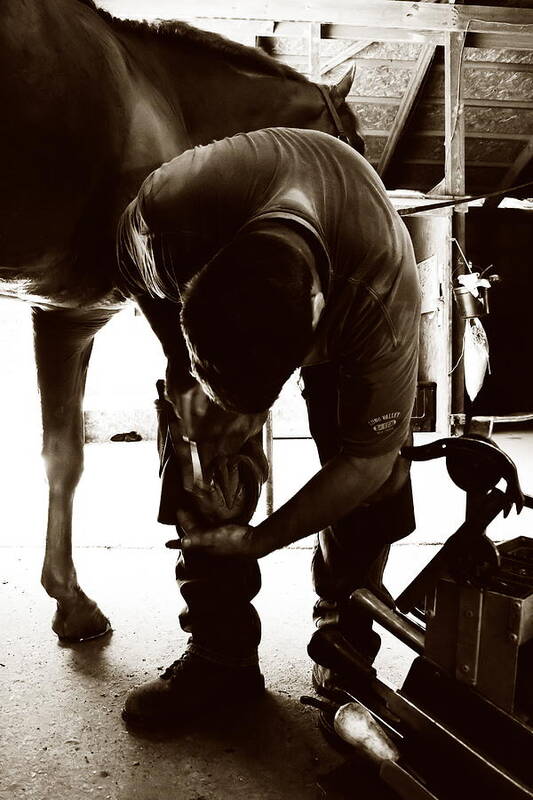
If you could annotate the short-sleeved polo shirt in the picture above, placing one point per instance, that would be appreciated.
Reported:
(203, 198)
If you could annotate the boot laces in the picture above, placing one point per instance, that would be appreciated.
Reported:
(177, 666)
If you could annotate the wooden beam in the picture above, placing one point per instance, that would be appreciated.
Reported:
(399, 14)
(398, 20)
(454, 185)
(512, 38)
(438, 134)
(385, 13)
(469, 101)
(407, 63)
(501, 66)
(439, 189)
(490, 103)
(513, 173)
(454, 120)
(519, 165)
(379, 33)
(348, 52)
(506, 38)
(473, 164)
(314, 51)
(240, 30)
(407, 104)
(378, 101)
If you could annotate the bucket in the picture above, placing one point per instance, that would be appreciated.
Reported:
(471, 306)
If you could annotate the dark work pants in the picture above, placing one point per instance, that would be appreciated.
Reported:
(219, 614)
(352, 553)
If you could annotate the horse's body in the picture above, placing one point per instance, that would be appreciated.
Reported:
(89, 105)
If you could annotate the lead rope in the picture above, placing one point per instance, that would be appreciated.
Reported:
(341, 133)
(406, 212)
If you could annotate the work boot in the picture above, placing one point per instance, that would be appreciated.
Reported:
(330, 684)
(191, 686)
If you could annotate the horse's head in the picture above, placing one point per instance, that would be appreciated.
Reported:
(340, 119)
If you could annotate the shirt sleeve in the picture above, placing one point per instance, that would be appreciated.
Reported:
(378, 376)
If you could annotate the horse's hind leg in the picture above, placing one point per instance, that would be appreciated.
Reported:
(63, 344)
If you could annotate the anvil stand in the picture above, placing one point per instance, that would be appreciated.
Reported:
(462, 720)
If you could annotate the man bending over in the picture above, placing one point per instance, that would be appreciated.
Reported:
(280, 250)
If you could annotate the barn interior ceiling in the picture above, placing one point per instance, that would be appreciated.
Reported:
(398, 95)
(435, 82)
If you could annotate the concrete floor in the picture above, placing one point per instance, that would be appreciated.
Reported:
(61, 734)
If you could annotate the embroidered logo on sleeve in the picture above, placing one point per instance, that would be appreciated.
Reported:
(385, 422)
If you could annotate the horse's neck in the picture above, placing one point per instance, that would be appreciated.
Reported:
(229, 101)
(217, 97)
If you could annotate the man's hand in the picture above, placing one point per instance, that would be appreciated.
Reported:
(225, 540)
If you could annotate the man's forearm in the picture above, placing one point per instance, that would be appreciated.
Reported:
(340, 486)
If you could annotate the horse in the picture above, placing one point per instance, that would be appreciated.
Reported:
(89, 106)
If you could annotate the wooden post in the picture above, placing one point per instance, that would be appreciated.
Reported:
(454, 182)
(314, 51)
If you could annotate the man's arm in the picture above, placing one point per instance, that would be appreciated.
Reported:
(340, 486)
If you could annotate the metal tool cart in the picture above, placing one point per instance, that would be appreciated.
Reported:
(462, 723)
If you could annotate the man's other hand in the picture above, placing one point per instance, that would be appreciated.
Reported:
(225, 540)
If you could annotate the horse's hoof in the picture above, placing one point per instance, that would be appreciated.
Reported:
(77, 640)
(80, 621)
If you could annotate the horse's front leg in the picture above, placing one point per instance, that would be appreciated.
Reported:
(63, 342)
